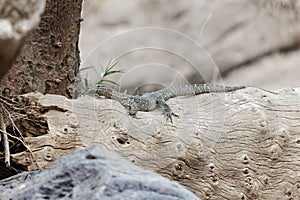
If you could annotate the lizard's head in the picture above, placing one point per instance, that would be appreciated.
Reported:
(103, 90)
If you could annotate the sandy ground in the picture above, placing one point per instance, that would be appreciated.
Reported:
(103, 19)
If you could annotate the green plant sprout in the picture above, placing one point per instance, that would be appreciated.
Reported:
(109, 70)
(85, 85)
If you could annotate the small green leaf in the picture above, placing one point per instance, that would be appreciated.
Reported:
(85, 68)
(104, 80)
(107, 71)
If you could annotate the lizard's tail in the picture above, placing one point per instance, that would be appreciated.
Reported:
(184, 90)
(203, 88)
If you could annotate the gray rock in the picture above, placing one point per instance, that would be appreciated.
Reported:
(93, 173)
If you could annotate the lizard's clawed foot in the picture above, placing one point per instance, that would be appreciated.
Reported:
(169, 116)
(135, 117)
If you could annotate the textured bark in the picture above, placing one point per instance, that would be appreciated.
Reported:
(239, 145)
(18, 18)
(49, 61)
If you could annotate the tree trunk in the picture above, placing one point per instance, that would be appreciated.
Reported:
(238, 145)
(49, 61)
(16, 24)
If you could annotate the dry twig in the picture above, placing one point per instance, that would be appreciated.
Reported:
(10, 111)
(4, 139)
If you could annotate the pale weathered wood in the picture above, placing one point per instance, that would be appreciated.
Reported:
(238, 145)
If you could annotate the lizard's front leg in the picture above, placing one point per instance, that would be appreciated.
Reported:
(168, 111)
(132, 110)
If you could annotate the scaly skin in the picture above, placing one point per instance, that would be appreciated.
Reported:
(153, 100)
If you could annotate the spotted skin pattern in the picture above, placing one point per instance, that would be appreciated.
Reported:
(156, 99)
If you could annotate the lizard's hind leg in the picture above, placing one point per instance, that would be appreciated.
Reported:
(168, 112)
(132, 110)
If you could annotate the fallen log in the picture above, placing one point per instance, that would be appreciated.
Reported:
(239, 145)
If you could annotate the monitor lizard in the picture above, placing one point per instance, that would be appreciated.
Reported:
(153, 100)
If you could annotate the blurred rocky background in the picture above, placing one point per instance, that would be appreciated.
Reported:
(235, 42)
